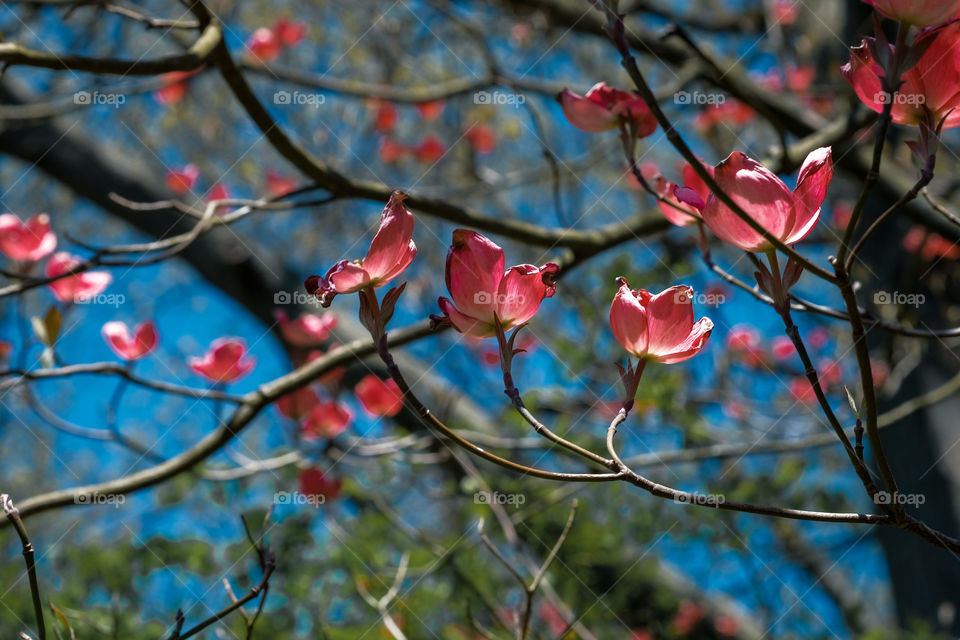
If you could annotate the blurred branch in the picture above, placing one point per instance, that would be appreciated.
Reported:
(13, 517)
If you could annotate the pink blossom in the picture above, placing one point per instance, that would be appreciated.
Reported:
(26, 241)
(225, 361)
(182, 181)
(604, 108)
(264, 45)
(379, 397)
(326, 419)
(314, 482)
(308, 330)
(130, 347)
(75, 288)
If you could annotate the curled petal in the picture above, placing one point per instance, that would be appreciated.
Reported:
(522, 290)
(691, 345)
(669, 319)
(465, 324)
(473, 273)
(815, 176)
(392, 244)
(628, 320)
(585, 114)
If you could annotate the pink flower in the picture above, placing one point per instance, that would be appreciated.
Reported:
(225, 361)
(430, 110)
(726, 625)
(264, 45)
(308, 330)
(182, 181)
(658, 327)
(391, 251)
(818, 338)
(802, 391)
(81, 286)
(933, 83)
(604, 108)
(481, 137)
(782, 348)
(687, 617)
(799, 78)
(326, 420)
(385, 114)
(289, 32)
(744, 342)
(218, 191)
(920, 13)
(26, 241)
(732, 113)
(831, 373)
(931, 246)
(788, 216)
(174, 89)
(430, 150)
(691, 197)
(391, 151)
(379, 397)
(142, 342)
(481, 290)
(314, 482)
(279, 185)
(298, 404)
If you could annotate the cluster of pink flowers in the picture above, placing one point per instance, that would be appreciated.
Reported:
(267, 43)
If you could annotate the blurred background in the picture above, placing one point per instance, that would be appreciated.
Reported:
(455, 101)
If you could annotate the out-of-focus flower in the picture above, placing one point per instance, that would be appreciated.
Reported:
(726, 625)
(379, 397)
(430, 110)
(743, 341)
(658, 327)
(480, 289)
(385, 114)
(279, 185)
(932, 84)
(26, 241)
(289, 32)
(225, 361)
(308, 330)
(732, 113)
(182, 181)
(782, 348)
(175, 87)
(688, 616)
(391, 151)
(130, 347)
(391, 251)
(263, 45)
(799, 77)
(481, 137)
(802, 391)
(604, 108)
(831, 373)
(218, 191)
(818, 338)
(430, 149)
(931, 246)
(327, 419)
(787, 215)
(920, 13)
(298, 404)
(75, 288)
(314, 482)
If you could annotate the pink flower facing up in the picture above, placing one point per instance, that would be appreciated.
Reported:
(308, 330)
(182, 181)
(130, 347)
(920, 13)
(379, 397)
(314, 482)
(26, 241)
(482, 291)
(327, 419)
(391, 251)
(690, 198)
(75, 288)
(787, 215)
(225, 361)
(658, 327)
(931, 85)
(264, 45)
(604, 108)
